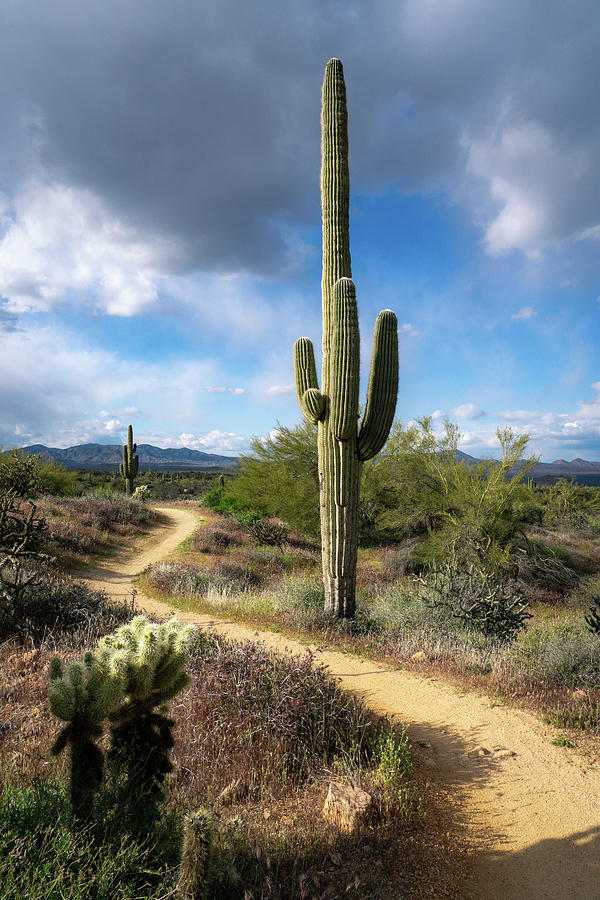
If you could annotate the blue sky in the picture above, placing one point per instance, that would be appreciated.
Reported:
(160, 220)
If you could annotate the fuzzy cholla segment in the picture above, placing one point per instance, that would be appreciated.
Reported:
(150, 658)
(90, 689)
(82, 697)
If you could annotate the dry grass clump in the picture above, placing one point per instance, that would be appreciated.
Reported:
(269, 720)
(216, 538)
(79, 526)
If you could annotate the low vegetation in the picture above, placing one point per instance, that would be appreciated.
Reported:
(474, 571)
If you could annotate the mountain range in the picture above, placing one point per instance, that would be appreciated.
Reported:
(581, 471)
(108, 456)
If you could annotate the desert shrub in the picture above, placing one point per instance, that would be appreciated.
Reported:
(280, 477)
(496, 608)
(268, 532)
(303, 596)
(228, 505)
(216, 538)
(57, 603)
(400, 560)
(177, 578)
(232, 576)
(108, 514)
(564, 654)
(545, 568)
(466, 513)
(72, 536)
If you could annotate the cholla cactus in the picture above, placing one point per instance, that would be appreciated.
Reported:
(131, 463)
(342, 445)
(142, 492)
(84, 697)
(196, 856)
(150, 659)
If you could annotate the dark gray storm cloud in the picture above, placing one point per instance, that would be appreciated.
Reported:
(200, 121)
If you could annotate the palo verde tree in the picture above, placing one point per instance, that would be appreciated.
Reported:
(342, 445)
(130, 465)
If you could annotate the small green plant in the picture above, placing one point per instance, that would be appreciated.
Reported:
(83, 697)
(592, 621)
(562, 741)
(142, 493)
(270, 533)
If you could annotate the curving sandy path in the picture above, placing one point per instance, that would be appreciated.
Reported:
(531, 810)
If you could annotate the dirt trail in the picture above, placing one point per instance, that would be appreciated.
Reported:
(532, 809)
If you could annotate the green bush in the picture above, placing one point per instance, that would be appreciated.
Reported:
(281, 477)
(495, 608)
(565, 654)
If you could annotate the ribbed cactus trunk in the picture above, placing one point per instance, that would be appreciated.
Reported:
(342, 447)
(130, 465)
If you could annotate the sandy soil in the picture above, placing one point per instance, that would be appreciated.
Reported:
(531, 810)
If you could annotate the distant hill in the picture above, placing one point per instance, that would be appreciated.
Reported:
(107, 457)
(582, 471)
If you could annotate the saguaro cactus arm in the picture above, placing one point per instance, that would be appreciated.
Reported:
(310, 399)
(383, 386)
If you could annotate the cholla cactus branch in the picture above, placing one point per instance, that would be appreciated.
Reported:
(83, 697)
(196, 857)
(341, 446)
(150, 659)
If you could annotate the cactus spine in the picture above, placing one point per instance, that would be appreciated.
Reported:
(130, 465)
(342, 445)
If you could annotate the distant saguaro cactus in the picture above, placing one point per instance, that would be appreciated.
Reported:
(342, 445)
(131, 463)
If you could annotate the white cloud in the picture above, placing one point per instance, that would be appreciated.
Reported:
(280, 390)
(115, 413)
(49, 396)
(223, 390)
(533, 177)
(214, 442)
(61, 243)
(525, 313)
(468, 411)
(408, 329)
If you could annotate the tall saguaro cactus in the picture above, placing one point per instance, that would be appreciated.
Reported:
(343, 445)
(130, 465)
